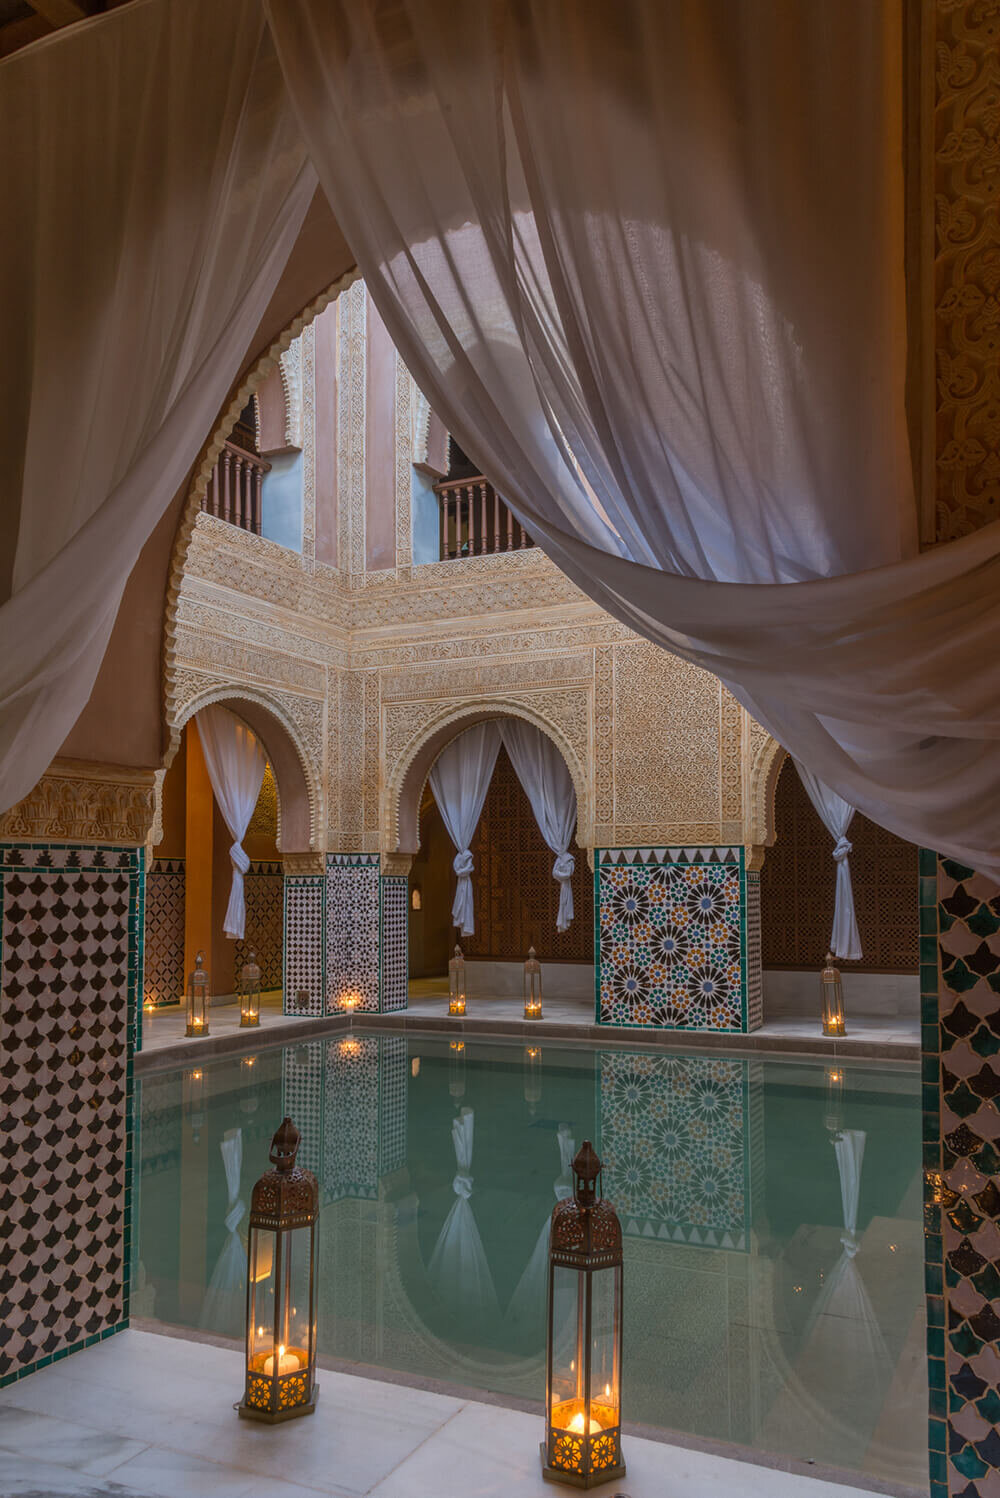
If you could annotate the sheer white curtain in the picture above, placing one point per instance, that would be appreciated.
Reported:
(836, 814)
(527, 1304)
(458, 1268)
(459, 779)
(154, 182)
(645, 261)
(548, 785)
(224, 1308)
(236, 763)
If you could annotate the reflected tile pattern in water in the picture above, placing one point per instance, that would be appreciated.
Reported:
(773, 1252)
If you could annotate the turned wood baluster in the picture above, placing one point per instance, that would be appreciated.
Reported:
(227, 464)
(510, 528)
(238, 490)
(258, 499)
(482, 519)
(496, 521)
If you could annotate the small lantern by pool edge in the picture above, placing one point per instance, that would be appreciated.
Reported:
(532, 986)
(832, 989)
(582, 1445)
(250, 992)
(456, 983)
(199, 998)
(281, 1290)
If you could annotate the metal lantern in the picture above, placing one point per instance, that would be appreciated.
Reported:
(532, 1076)
(532, 986)
(582, 1444)
(199, 998)
(250, 992)
(456, 983)
(833, 999)
(456, 1070)
(281, 1313)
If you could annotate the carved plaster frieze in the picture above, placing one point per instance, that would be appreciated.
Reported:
(403, 462)
(290, 369)
(397, 864)
(352, 364)
(80, 802)
(452, 680)
(241, 660)
(308, 386)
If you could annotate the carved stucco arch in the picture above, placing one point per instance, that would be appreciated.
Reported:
(765, 767)
(268, 361)
(406, 780)
(298, 797)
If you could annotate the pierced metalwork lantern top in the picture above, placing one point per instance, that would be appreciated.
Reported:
(250, 974)
(286, 1196)
(532, 965)
(585, 1232)
(456, 969)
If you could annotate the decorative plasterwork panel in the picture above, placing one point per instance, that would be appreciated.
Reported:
(666, 741)
(351, 428)
(308, 392)
(403, 464)
(290, 369)
(448, 680)
(967, 265)
(79, 802)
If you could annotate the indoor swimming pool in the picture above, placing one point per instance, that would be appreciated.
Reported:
(771, 1211)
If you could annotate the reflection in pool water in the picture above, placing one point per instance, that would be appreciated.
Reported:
(771, 1209)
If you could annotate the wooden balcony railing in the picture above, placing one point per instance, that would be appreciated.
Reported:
(235, 488)
(475, 520)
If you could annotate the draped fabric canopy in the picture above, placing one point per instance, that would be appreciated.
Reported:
(236, 763)
(548, 785)
(460, 778)
(836, 815)
(154, 183)
(645, 261)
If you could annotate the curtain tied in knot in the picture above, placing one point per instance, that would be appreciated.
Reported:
(842, 848)
(850, 1244)
(242, 863)
(464, 863)
(564, 866)
(462, 1186)
(235, 1216)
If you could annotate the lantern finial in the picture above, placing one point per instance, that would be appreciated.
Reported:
(285, 1146)
(586, 1169)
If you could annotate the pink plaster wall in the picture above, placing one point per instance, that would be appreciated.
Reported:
(380, 442)
(271, 414)
(325, 457)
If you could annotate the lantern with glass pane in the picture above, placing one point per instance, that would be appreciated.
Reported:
(832, 990)
(199, 998)
(281, 1316)
(532, 986)
(250, 992)
(456, 983)
(582, 1444)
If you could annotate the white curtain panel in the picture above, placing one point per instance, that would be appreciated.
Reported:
(236, 763)
(646, 262)
(527, 1304)
(458, 1267)
(548, 785)
(835, 813)
(459, 780)
(224, 1308)
(154, 182)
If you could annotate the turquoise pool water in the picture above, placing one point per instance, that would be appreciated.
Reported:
(773, 1253)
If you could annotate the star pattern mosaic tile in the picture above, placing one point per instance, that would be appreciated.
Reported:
(671, 939)
(674, 1141)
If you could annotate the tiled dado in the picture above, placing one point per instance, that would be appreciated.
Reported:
(960, 988)
(71, 922)
(677, 939)
(346, 936)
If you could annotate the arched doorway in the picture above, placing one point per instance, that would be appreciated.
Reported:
(189, 868)
(515, 895)
(797, 901)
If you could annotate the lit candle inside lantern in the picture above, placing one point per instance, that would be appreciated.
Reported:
(288, 1362)
(576, 1425)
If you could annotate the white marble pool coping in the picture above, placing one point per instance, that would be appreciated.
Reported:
(147, 1416)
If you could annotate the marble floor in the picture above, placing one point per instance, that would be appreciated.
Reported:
(147, 1416)
(875, 1037)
